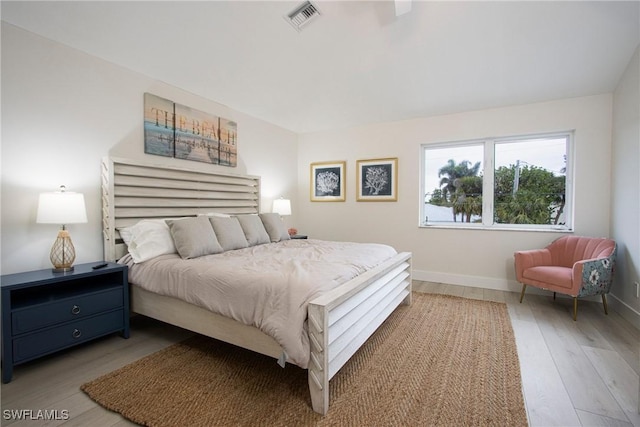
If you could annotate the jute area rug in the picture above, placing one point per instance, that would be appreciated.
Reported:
(442, 360)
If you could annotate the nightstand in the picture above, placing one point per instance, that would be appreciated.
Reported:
(44, 312)
(298, 236)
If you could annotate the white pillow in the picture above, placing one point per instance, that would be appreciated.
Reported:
(274, 226)
(253, 229)
(229, 232)
(194, 237)
(148, 239)
(126, 233)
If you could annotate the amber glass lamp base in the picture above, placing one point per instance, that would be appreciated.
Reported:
(63, 254)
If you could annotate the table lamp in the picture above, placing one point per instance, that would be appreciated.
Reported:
(282, 206)
(62, 207)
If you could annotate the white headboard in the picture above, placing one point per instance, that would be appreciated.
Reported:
(134, 190)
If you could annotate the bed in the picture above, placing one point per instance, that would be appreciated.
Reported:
(338, 321)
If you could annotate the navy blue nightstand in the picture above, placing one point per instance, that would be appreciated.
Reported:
(43, 311)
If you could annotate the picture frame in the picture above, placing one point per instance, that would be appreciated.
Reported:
(328, 181)
(159, 126)
(377, 180)
(182, 132)
(196, 135)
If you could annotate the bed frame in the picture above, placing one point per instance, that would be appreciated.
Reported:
(339, 321)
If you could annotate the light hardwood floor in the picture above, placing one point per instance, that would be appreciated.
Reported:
(573, 373)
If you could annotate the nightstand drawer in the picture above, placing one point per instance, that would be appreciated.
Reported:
(64, 310)
(67, 335)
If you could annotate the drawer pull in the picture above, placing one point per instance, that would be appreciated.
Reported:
(75, 309)
(76, 333)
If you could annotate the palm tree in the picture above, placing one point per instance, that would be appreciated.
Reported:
(450, 175)
(470, 189)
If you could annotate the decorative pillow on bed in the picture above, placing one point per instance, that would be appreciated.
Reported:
(194, 237)
(229, 232)
(148, 239)
(253, 229)
(274, 226)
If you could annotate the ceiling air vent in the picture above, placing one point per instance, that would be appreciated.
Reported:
(302, 15)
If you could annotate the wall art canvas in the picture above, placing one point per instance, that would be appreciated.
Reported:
(182, 132)
(377, 180)
(328, 181)
(228, 142)
(197, 135)
(158, 126)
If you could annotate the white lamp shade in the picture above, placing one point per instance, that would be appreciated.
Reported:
(61, 207)
(282, 206)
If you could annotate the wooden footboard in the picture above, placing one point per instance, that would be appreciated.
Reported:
(341, 320)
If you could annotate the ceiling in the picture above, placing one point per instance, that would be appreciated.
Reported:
(357, 63)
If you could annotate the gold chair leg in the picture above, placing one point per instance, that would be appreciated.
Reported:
(575, 308)
(604, 303)
(522, 293)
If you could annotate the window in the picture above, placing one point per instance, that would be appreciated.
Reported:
(517, 182)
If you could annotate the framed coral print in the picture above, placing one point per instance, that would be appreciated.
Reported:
(327, 182)
(377, 180)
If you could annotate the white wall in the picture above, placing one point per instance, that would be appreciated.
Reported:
(471, 257)
(63, 110)
(625, 190)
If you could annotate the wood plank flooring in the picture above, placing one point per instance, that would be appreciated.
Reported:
(582, 373)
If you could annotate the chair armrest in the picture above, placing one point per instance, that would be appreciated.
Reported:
(530, 258)
(595, 275)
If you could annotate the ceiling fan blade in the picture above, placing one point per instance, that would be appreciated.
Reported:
(402, 7)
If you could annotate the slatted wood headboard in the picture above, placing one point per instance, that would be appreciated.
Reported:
(135, 190)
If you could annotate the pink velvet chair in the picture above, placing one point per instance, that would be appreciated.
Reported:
(571, 265)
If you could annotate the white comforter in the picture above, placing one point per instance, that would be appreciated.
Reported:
(268, 286)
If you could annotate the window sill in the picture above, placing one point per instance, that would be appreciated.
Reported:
(496, 228)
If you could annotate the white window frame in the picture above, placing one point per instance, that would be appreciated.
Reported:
(488, 183)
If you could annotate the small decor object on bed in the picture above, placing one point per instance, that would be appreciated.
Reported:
(377, 180)
(328, 181)
(175, 130)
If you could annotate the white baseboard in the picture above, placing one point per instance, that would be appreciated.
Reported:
(471, 281)
(627, 312)
(616, 304)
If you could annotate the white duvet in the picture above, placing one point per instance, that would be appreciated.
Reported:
(267, 286)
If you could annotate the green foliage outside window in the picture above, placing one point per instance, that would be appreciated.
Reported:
(535, 196)
(539, 198)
